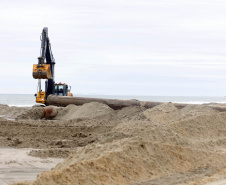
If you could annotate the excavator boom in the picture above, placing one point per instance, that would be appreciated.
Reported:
(45, 68)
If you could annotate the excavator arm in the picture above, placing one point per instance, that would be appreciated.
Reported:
(45, 68)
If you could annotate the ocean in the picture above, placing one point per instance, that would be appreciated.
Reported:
(28, 100)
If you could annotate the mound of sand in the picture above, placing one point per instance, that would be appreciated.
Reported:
(136, 145)
(97, 114)
(11, 112)
(34, 113)
(86, 111)
(65, 113)
(163, 113)
(126, 162)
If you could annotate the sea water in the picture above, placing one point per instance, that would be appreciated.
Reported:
(28, 100)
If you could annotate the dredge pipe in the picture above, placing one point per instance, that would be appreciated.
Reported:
(49, 112)
(63, 101)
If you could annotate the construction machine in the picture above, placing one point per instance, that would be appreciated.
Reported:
(45, 70)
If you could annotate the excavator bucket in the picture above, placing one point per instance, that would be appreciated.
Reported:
(41, 71)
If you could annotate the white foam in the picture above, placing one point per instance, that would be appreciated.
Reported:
(20, 105)
(198, 102)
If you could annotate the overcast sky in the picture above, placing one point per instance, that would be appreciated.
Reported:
(120, 47)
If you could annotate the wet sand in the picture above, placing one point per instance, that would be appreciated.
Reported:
(16, 165)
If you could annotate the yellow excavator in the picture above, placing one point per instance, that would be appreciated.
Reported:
(45, 70)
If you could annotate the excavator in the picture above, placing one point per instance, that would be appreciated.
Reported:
(45, 70)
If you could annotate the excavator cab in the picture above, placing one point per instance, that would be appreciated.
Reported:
(61, 89)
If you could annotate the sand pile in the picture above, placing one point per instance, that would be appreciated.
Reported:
(65, 113)
(142, 146)
(97, 114)
(86, 111)
(11, 112)
(34, 113)
(126, 162)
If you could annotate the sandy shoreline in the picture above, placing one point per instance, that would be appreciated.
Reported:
(162, 145)
(16, 165)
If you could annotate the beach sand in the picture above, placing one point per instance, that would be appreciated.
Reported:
(134, 145)
(17, 165)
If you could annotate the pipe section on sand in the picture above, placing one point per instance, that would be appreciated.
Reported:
(63, 101)
(49, 112)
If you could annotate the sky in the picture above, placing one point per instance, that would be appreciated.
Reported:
(120, 47)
